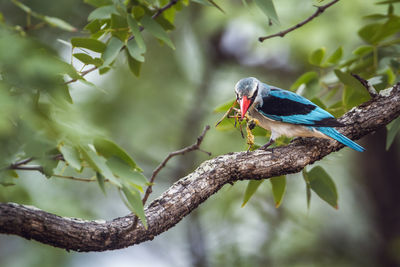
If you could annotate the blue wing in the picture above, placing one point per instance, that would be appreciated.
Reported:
(286, 106)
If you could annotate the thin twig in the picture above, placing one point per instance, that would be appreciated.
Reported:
(28, 168)
(226, 113)
(370, 88)
(83, 73)
(195, 146)
(77, 178)
(158, 13)
(320, 9)
(21, 162)
(161, 10)
(17, 165)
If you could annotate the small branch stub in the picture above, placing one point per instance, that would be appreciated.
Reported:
(370, 88)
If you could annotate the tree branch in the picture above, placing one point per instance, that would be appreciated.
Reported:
(189, 192)
(319, 11)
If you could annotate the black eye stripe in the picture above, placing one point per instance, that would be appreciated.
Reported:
(254, 96)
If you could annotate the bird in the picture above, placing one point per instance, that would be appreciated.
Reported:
(286, 113)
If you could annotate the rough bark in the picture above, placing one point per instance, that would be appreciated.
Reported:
(189, 192)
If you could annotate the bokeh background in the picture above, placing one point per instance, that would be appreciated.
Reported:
(166, 108)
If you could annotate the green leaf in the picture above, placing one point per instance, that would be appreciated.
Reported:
(84, 58)
(322, 184)
(363, 50)
(48, 165)
(308, 194)
(155, 29)
(93, 26)
(89, 43)
(135, 51)
(224, 107)
(136, 33)
(71, 156)
(318, 102)
(215, 5)
(135, 203)
(317, 56)
(100, 181)
(355, 93)
(164, 23)
(98, 3)
(252, 187)
(335, 57)
(71, 71)
(337, 109)
(278, 188)
(375, 17)
(98, 163)
(202, 2)
(103, 12)
(306, 78)
(308, 187)
(113, 48)
(389, 28)
(104, 70)
(65, 94)
(393, 129)
(108, 149)
(209, 3)
(126, 173)
(7, 177)
(228, 125)
(267, 6)
(138, 12)
(349, 80)
(169, 15)
(134, 65)
(259, 131)
(367, 32)
(119, 24)
(59, 23)
(391, 77)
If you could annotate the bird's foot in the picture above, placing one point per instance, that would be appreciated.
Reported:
(265, 147)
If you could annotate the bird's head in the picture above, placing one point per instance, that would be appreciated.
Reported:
(246, 92)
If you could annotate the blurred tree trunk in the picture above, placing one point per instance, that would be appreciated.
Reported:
(381, 174)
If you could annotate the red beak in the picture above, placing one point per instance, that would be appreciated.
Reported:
(244, 105)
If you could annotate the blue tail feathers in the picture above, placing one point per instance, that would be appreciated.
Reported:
(331, 132)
